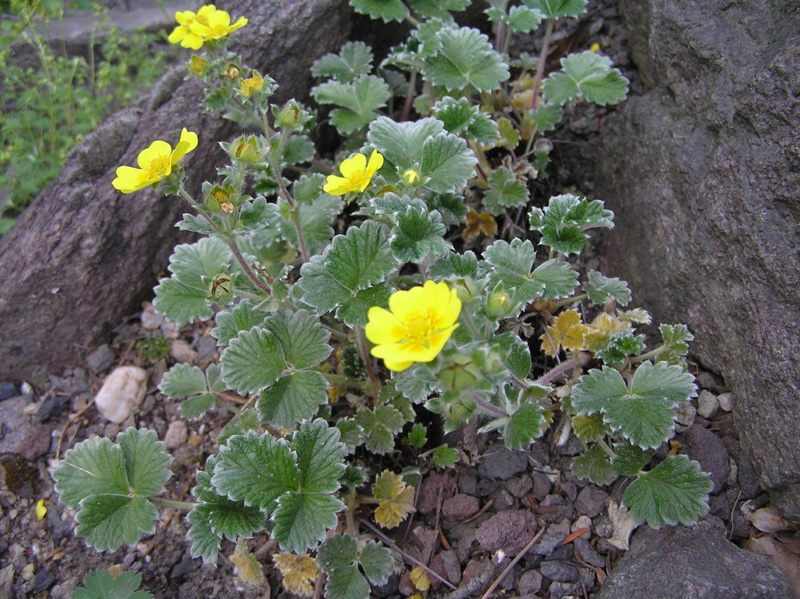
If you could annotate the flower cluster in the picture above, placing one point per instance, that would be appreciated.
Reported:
(206, 24)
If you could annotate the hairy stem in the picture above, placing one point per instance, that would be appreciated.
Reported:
(246, 268)
(361, 340)
(169, 503)
(537, 83)
(581, 360)
(486, 405)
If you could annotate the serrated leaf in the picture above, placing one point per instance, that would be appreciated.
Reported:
(596, 389)
(594, 465)
(93, 467)
(524, 425)
(567, 331)
(557, 9)
(106, 521)
(630, 459)
(248, 569)
(508, 134)
(337, 557)
(511, 268)
(252, 361)
(619, 346)
(600, 288)
(320, 456)
(184, 296)
(315, 222)
(416, 383)
(377, 563)
(663, 380)
(466, 58)
(358, 101)
(589, 429)
(100, 584)
(146, 461)
(505, 191)
(301, 336)
(558, 278)
(380, 426)
(445, 457)
(564, 219)
(195, 407)
(299, 572)
(430, 9)
(585, 75)
(523, 19)
(257, 214)
(676, 338)
(350, 433)
(303, 519)
(461, 118)
(454, 265)
(293, 398)
(232, 321)
(418, 234)
(183, 380)
(675, 491)
(241, 424)
(546, 116)
(386, 10)
(353, 60)
(395, 497)
(518, 358)
(418, 435)
(355, 310)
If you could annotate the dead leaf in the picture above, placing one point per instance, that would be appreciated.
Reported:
(785, 552)
(623, 526)
(479, 223)
(567, 331)
(767, 519)
(396, 499)
(420, 579)
(299, 572)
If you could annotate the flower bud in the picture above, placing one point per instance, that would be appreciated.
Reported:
(252, 85)
(411, 177)
(198, 65)
(290, 115)
(231, 72)
(246, 150)
(498, 305)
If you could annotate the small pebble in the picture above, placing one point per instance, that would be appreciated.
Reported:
(559, 571)
(590, 501)
(181, 351)
(707, 404)
(100, 359)
(8, 390)
(122, 392)
(686, 414)
(725, 402)
(177, 434)
(150, 320)
(530, 582)
(581, 522)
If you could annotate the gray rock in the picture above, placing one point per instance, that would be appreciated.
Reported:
(446, 565)
(590, 501)
(708, 449)
(20, 435)
(100, 359)
(519, 486)
(541, 485)
(694, 562)
(554, 534)
(460, 507)
(184, 567)
(707, 404)
(176, 436)
(503, 501)
(502, 463)
(588, 553)
(509, 531)
(703, 173)
(8, 390)
(559, 571)
(725, 401)
(530, 582)
(685, 416)
(467, 481)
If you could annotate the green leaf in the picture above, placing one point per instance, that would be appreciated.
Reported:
(662, 380)
(351, 434)
(418, 435)
(380, 426)
(522, 19)
(183, 380)
(466, 58)
(293, 398)
(564, 220)
(101, 585)
(353, 60)
(315, 222)
(596, 389)
(442, 160)
(146, 461)
(418, 234)
(256, 470)
(297, 149)
(185, 295)
(558, 278)
(586, 75)
(645, 421)
(416, 382)
(241, 424)
(358, 101)
(337, 557)
(252, 361)
(619, 346)
(511, 267)
(301, 337)
(257, 214)
(303, 519)
(589, 429)
(377, 562)
(320, 456)
(593, 464)
(676, 339)
(600, 289)
(454, 265)
(675, 491)
(630, 459)
(93, 467)
(387, 10)
(546, 116)
(241, 317)
(195, 407)
(523, 427)
(445, 457)
(505, 191)
(429, 9)
(355, 310)
(557, 9)
(106, 521)
(461, 118)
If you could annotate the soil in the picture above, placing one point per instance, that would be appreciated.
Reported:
(470, 521)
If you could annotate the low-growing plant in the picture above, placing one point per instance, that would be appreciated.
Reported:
(47, 107)
(302, 313)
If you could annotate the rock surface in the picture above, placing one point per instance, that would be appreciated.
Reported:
(694, 562)
(122, 392)
(703, 173)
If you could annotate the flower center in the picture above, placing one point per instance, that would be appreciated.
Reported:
(158, 167)
(421, 327)
(359, 180)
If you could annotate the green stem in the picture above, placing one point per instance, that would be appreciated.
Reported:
(246, 267)
(581, 360)
(646, 356)
(471, 324)
(361, 340)
(185, 195)
(537, 83)
(486, 405)
(225, 405)
(177, 505)
(569, 300)
(607, 449)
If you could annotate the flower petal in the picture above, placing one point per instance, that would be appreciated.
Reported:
(187, 143)
(131, 179)
(337, 186)
(375, 163)
(383, 327)
(178, 34)
(157, 149)
(353, 165)
(185, 17)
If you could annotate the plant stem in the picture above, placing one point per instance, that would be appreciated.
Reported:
(225, 405)
(646, 356)
(542, 59)
(471, 324)
(486, 405)
(361, 340)
(169, 503)
(581, 360)
(412, 84)
(605, 447)
(569, 300)
(246, 268)
(519, 383)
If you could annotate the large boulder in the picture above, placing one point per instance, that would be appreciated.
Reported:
(83, 256)
(703, 172)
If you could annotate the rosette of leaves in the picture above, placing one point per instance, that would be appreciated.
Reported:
(565, 219)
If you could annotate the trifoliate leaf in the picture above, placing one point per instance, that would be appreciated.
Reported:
(230, 322)
(524, 425)
(396, 499)
(418, 234)
(594, 465)
(511, 267)
(454, 265)
(557, 9)
(620, 346)
(461, 118)
(186, 295)
(339, 558)
(545, 116)
(146, 461)
(630, 459)
(477, 224)
(675, 491)
(600, 289)
(586, 75)
(558, 278)
(508, 134)
(564, 220)
(442, 160)
(377, 563)
(293, 398)
(645, 421)
(589, 429)
(106, 521)
(418, 435)
(252, 361)
(451, 206)
(320, 456)
(429, 9)
(358, 101)
(353, 60)
(387, 10)
(352, 263)
(183, 380)
(505, 191)
(100, 584)
(466, 58)
(676, 338)
(301, 337)
(380, 426)
(596, 389)
(241, 424)
(663, 380)
(445, 457)
(299, 572)
(522, 19)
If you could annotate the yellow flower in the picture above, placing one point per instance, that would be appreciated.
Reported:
(357, 174)
(420, 322)
(155, 163)
(251, 85)
(41, 510)
(216, 26)
(183, 32)
(595, 47)
(410, 177)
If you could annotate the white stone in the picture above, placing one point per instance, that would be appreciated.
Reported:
(177, 434)
(121, 393)
(181, 351)
(582, 522)
(686, 414)
(726, 401)
(707, 404)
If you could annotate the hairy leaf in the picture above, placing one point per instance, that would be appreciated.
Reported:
(418, 234)
(353, 60)
(586, 75)
(505, 191)
(466, 58)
